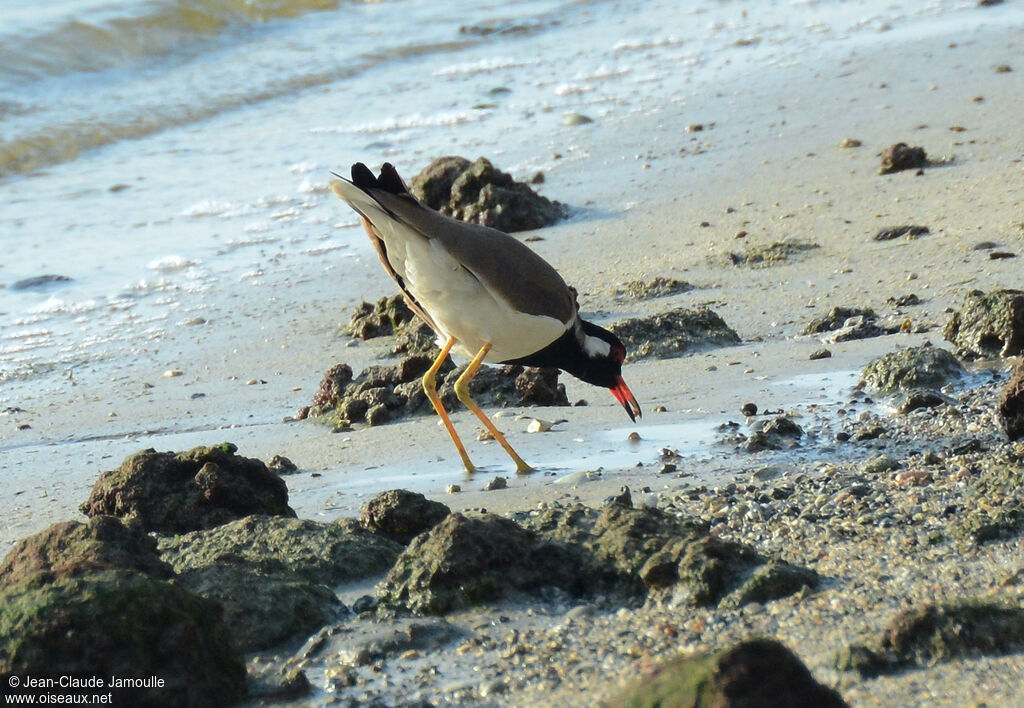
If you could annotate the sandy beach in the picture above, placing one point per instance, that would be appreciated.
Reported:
(767, 165)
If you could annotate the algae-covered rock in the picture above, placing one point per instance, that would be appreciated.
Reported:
(274, 576)
(916, 367)
(464, 561)
(198, 489)
(931, 634)
(623, 548)
(634, 552)
(752, 674)
(480, 193)
(845, 324)
(119, 624)
(401, 515)
(988, 324)
(88, 600)
(917, 398)
(710, 568)
(1011, 405)
(263, 609)
(327, 553)
(70, 549)
(674, 333)
(764, 255)
(617, 551)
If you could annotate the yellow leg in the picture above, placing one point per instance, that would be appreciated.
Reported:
(430, 388)
(462, 391)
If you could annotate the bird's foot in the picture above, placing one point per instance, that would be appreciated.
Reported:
(523, 468)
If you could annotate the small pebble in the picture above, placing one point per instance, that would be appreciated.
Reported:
(572, 119)
(496, 483)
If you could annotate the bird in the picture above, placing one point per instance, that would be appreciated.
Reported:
(486, 295)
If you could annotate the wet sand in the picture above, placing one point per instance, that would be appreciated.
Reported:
(768, 164)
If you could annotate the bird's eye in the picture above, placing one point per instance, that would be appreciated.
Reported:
(618, 354)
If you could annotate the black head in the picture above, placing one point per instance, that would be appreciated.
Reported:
(600, 364)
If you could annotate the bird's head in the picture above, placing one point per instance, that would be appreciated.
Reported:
(601, 365)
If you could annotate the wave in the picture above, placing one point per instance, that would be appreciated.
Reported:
(100, 39)
(54, 143)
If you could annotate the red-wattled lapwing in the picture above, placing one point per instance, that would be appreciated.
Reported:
(485, 294)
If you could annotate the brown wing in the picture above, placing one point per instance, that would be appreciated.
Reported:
(507, 267)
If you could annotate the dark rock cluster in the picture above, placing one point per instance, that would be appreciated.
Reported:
(391, 316)
(383, 393)
(674, 333)
(176, 492)
(618, 551)
(480, 193)
(900, 156)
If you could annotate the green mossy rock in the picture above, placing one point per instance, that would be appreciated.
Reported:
(328, 554)
(988, 324)
(916, 367)
(752, 674)
(115, 623)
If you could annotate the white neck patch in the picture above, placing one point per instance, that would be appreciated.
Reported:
(596, 348)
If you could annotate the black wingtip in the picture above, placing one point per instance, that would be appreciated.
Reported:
(362, 177)
(389, 180)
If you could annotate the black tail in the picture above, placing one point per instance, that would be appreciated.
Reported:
(389, 180)
(362, 177)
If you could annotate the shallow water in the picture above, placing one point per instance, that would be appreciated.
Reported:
(570, 459)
